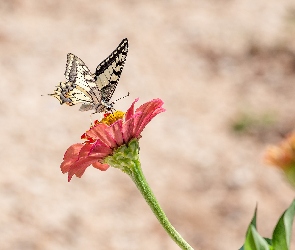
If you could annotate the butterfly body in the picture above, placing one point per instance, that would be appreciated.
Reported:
(94, 91)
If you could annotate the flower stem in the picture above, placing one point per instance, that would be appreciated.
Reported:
(138, 178)
(126, 158)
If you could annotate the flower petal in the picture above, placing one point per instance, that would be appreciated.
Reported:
(100, 166)
(149, 111)
(115, 131)
(71, 155)
(130, 111)
(128, 128)
(99, 150)
(94, 132)
(79, 167)
(80, 156)
(98, 132)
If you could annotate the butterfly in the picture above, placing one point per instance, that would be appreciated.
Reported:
(94, 91)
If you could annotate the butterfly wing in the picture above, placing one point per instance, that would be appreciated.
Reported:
(70, 72)
(78, 72)
(86, 90)
(78, 87)
(108, 72)
(71, 94)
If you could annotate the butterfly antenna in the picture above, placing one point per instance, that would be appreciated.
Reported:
(120, 98)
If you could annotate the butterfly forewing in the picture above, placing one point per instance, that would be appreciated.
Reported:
(78, 73)
(108, 72)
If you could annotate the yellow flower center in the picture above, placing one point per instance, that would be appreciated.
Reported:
(110, 118)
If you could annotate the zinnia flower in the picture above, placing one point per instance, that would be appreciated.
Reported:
(283, 157)
(110, 141)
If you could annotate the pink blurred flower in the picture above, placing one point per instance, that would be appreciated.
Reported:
(107, 135)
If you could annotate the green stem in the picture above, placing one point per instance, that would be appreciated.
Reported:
(137, 176)
(126, 158)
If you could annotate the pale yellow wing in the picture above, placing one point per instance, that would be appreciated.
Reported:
(71, 94)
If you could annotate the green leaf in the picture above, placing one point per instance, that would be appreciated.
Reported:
(282, 233)
(253, 221)
(269, 241)
(254, 241)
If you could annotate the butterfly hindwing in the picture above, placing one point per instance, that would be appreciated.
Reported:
(71, 94)
(94, 91)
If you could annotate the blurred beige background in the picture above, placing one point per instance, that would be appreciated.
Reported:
(226, 72)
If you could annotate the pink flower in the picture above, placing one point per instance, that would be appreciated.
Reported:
(104, 137)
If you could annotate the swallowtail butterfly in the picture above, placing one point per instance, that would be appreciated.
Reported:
(94, 91)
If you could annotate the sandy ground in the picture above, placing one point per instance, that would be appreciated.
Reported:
(216, 64)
